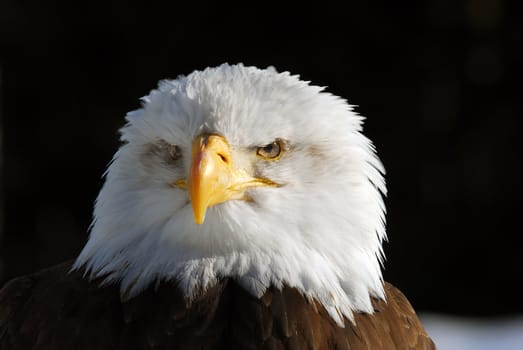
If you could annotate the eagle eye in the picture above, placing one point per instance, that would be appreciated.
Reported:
(166, 151)
(272, 151)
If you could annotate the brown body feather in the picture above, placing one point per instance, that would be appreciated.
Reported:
(54, 309)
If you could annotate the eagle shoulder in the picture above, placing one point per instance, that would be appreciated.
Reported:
(287, 320)
(393, 325)
(55, 309)
(13, 298)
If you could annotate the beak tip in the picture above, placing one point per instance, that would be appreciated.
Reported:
(199, 218)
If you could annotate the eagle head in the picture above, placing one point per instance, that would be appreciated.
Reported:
(246, 173)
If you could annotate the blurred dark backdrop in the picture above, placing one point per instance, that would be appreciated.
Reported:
(439, 81)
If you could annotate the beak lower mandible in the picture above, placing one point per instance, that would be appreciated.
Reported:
(211, 174)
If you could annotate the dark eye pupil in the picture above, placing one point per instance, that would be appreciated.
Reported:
(268, 148)
(174, 152)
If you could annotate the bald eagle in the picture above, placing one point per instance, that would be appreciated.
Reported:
(243, 210)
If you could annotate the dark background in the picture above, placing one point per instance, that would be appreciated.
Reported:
(439, 81)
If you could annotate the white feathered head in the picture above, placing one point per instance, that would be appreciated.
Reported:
(248, 173)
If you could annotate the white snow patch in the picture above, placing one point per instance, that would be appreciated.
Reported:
(457, 333)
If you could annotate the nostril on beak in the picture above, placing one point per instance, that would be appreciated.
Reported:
(223, 158)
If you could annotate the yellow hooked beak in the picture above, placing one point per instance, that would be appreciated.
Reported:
(213, 179)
